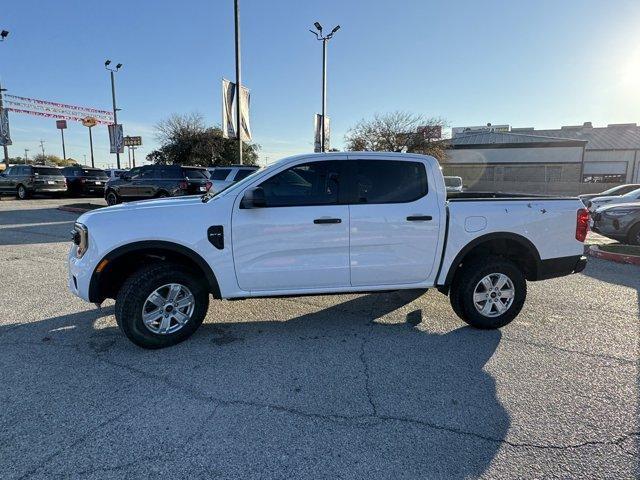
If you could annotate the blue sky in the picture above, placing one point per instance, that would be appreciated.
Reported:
(542, 64)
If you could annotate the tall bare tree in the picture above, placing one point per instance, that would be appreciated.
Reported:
(397, 132)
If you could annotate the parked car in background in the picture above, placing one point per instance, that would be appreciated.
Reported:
(614, 191)
(157, 181)
(453, 184)
(25, 180)
(595, 203)
(85, 180)
(619, 222)
(114, 172)
(222, 177)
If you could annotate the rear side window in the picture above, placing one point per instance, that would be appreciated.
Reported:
(390, 181)
(220, 174)
(314, 183)
(243, 173)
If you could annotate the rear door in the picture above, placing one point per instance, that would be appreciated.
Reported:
(394, 222)
(126, 187)
(6, 183)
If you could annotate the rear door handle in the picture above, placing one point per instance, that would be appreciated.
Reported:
(327, 220)
(419, 218)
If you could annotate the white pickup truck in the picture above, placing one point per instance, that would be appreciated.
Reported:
(322, 224)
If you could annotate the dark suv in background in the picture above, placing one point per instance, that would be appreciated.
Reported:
(25, 180)
(157, 181)
(85, 180)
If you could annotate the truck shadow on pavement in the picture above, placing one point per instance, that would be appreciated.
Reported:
(350, 390)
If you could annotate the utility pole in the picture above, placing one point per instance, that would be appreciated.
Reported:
(64, 151)
(42, 147)
(113, 99)
(324, 40)
(91, 146)
(236, 10)
(3, 36)
(6, 149)
(26, 155)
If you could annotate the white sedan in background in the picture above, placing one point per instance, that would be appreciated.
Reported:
(597, 202)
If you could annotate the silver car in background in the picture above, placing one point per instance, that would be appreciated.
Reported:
(223, 177)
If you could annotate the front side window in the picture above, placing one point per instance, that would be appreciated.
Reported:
(314, 183)
(390, 181)
(195, 174)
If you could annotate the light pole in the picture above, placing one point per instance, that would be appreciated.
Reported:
(3, 35)
(44, 157)
(324, 39)
(113, 99)
(26, 156)
(236, 12)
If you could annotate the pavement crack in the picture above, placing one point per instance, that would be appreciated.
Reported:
(71, 445)
(367, 379)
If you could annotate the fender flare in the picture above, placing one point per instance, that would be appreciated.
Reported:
(95, 282)
(525, 242)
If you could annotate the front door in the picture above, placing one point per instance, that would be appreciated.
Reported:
(394, 223)
(300, 239)
(5, 180)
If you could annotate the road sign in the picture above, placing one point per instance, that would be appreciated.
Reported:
(5, 137)
(132, 141)
(61, 124)
(89, 122)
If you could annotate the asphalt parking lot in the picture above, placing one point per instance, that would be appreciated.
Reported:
(355, 386)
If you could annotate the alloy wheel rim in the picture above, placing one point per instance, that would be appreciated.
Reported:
(21, 191)
(111, 198)
(168, 309)
(493, 295)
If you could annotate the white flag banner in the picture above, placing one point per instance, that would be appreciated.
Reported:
(245, 95)
(317, 125)
(229, 111)
(228, 94)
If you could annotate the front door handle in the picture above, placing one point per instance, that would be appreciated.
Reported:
(327, 220)
(419, 218)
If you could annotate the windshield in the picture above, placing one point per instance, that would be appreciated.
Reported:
(46, 171)
(632, 195)
(209, 195)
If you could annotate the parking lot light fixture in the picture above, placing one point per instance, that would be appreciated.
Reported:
(324, 39)
(113, 98)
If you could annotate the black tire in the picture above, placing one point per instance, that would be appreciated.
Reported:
(633, 238)
(22, 193)
(112, 198)
(134, 292)
(461, 294)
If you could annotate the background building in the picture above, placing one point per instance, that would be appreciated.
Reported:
(569, 160)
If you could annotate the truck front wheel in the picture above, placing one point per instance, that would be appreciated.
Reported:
(161, 305)
(488, 292)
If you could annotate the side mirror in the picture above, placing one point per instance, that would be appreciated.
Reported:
(254, 198)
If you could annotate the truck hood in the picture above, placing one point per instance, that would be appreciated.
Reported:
(148, 208)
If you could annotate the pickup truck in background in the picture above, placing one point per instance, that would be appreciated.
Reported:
(322, 224)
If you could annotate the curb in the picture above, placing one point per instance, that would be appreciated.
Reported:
(74, 209)
(594, 251)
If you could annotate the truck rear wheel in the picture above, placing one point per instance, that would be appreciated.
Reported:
(161, 305)
(488, 293)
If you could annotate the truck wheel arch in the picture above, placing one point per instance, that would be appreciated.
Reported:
(504, 244)
(122, 261)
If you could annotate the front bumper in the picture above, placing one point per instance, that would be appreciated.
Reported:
(79, 275)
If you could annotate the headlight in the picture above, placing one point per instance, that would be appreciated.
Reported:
(619, 213)
(80, 236)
